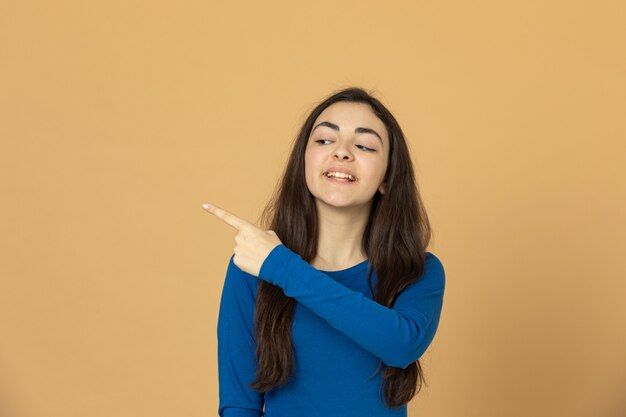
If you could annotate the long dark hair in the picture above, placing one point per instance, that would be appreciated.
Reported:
(394, 241)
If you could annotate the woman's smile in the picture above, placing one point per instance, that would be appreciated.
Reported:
(340, 174)
(338, 180)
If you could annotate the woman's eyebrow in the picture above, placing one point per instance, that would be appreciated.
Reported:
(357, 130)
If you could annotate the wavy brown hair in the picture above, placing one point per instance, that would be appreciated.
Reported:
(394, 241)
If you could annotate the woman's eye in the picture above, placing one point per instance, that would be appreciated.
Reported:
(365, 148)
(322, 140)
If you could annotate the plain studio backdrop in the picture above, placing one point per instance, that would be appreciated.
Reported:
(118, 119)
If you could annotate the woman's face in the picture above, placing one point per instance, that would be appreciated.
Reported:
(347, 138)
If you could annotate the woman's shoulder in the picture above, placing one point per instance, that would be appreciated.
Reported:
(432, 259)
(434, 271)
(240, 280)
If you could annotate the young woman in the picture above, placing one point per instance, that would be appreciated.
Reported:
(327, 311)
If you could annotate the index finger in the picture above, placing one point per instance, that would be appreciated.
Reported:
(224, 215)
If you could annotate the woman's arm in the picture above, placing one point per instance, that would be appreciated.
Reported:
(398, 335)
(236, 347)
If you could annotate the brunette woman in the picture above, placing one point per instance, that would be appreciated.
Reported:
(327, 309)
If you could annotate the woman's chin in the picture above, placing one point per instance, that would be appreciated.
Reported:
(341, 203)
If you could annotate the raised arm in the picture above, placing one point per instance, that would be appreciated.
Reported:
(236, 347)
(398, 335)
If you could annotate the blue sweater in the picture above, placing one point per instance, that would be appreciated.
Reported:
(339, 336)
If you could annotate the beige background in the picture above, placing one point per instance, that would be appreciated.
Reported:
(118, 119)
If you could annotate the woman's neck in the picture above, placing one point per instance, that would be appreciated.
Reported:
(340, 232)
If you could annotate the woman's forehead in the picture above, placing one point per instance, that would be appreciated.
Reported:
(348, 115)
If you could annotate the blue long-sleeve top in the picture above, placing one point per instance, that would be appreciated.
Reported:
(339, 334)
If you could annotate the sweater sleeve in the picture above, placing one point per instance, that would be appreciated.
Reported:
(236, 347)
(398, 336)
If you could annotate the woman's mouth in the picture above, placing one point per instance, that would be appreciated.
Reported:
(339, 176)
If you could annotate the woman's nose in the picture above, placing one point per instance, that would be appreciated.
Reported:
(342, 152)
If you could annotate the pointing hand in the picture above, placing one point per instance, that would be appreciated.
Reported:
(252, 244)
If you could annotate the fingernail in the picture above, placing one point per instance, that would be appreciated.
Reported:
(206, 206)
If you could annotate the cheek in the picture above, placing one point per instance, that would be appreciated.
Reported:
(310, 166)
(377, 168)
(312, 160)
(383, 168)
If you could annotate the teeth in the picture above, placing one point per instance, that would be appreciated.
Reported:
(340, 175)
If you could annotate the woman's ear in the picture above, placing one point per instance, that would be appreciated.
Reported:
(381, 188)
